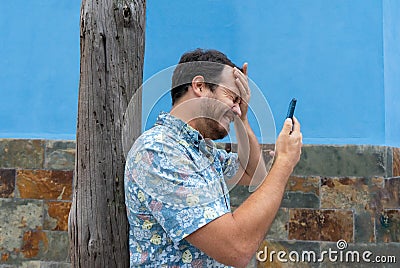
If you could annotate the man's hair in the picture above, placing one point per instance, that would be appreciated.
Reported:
(207, 63)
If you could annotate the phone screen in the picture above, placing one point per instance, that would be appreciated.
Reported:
(291, 108)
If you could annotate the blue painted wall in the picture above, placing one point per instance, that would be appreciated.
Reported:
(39, 70)
(391, 27)
(338, 58)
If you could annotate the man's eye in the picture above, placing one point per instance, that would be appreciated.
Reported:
(233, 97)
(236, 99)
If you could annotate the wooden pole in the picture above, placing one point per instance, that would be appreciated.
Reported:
(111, 71)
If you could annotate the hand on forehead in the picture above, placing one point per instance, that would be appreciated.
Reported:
(235, 81)
(228, 78)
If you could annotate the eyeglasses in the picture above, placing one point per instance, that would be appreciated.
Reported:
(235, 98)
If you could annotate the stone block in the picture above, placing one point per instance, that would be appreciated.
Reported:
(396, 162)
(18, 218)
(30, 264)
(55, 265)
(364, 227)
(41, 249)
(349, 193)
(7, 183)
(38, 264)
(302, 192)
(392, 190)
(266, 149)
(238, 195)
(304, 184)
(26, 154)
(279, 227)
(388, 197)
(268, 152)
(300, 200)
(44, 184)
(342, 161)
(25, 264)
(56, 216)
(321, 225)
(8, 266)
(58, 249)
(388, 226)
(34, 241)
(59, 155)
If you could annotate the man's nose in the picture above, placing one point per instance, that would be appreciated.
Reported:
(236, 109)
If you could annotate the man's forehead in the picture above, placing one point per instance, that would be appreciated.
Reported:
(227, 80)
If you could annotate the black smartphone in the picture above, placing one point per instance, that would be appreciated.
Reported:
(292, 106)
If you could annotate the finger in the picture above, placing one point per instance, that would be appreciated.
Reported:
(239, 74)
(296, 125)
(245, 68)
(244, 98)
(240, 85)
(243, 81)
(287, 126)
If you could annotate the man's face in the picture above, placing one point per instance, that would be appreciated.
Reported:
(221, 106)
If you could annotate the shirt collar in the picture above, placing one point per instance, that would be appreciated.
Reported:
(181, 128)
(189, 134)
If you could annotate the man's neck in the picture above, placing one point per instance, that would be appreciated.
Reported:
(187, 116)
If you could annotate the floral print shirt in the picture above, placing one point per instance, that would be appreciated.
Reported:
(174, 185)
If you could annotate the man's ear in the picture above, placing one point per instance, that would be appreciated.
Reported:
(198, 86)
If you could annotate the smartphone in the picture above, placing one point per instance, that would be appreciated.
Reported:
(292, 106)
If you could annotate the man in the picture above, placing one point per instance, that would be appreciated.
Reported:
(176, 179)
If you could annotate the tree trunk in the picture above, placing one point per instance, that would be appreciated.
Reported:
(112, 53)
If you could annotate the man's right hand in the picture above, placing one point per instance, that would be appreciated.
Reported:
(288, 144)
(234, 238)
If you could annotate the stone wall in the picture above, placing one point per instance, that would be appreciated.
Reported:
(349, 193)
(336, 193)
(35, 198)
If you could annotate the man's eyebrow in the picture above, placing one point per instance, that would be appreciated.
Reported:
(231, 92)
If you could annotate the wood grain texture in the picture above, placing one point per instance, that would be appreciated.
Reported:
(112, 54)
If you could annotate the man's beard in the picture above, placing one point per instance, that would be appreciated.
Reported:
(212, 129)
(213, 123)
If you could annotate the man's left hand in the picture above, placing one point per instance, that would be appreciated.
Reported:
(242, 83)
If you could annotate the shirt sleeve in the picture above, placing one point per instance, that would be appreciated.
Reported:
(229, 161)
(177, 192)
